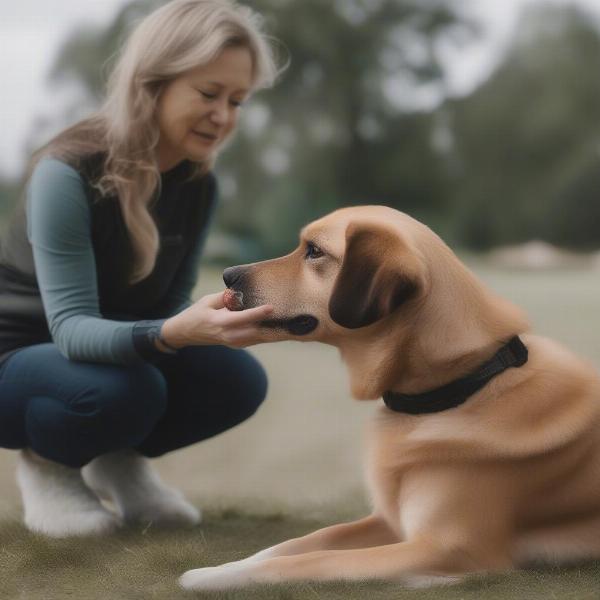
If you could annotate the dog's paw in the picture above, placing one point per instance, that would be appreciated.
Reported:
(230, 575)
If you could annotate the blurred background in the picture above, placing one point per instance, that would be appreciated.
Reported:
(479, 117)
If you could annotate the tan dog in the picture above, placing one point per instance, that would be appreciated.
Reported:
(509, 476)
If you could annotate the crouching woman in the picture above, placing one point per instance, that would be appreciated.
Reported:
(104, 360)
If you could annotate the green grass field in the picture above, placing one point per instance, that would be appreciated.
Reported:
(292, 468)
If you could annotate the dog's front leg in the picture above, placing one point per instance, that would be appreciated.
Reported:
(415, 562)
(450, 532)
(368, 532)
(364, 533)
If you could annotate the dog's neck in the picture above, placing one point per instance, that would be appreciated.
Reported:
(408, 370)
(438, 342)
(512, 354)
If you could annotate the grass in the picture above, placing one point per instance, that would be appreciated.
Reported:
(144, 564)
(293, 468)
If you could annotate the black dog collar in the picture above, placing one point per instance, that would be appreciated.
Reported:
(513, 354)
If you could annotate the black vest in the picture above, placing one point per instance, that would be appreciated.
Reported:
(181, 213)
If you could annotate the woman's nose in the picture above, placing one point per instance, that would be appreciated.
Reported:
(219, 113)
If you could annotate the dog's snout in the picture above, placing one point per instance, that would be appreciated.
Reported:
(232, 275)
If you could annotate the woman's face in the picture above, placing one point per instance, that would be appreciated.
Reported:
(198, 110)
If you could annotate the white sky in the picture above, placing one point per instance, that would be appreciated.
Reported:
(31, 32)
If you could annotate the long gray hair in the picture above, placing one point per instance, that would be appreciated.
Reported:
(177, 37)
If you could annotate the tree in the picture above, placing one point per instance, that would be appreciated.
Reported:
(333, 133)
(527, 141)
(9, 191)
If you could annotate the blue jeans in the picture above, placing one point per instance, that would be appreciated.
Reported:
(71, 412)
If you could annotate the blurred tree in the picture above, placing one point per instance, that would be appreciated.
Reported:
(88, 53)
(337, 130)
(528, 140)
(9, 193)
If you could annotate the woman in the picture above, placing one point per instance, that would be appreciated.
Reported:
(104, 361)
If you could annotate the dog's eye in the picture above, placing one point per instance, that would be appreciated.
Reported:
(313, 251)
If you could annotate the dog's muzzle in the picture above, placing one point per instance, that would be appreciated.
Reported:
(300, 325)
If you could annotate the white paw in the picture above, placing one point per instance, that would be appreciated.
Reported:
(231, 575)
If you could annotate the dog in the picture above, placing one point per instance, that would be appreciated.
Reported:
(485, 455)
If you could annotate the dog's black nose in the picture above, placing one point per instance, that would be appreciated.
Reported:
(231, 275)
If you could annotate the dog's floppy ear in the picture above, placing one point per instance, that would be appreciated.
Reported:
(379, 274)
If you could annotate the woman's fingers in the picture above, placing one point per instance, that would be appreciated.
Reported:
(209, 321)
(247, 317)
(214, 300)
(241, 317)
(249, 336)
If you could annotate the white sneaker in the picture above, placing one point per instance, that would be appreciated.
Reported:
(57, 502)
(137, 492)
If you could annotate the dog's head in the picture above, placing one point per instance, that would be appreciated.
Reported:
(385, 289)
(352, 269)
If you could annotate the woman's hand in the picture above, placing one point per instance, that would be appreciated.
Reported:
(208, 322)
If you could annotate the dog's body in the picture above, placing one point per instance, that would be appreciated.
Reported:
(510, 476)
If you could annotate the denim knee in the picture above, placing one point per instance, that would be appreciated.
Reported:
(116, 410)
(132, 396)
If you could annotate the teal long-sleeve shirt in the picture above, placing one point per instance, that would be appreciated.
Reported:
(59, 229)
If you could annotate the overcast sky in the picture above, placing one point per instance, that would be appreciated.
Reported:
(31, 32)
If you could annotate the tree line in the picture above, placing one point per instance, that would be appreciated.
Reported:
(516, 159)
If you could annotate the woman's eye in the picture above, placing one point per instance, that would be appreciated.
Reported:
(313, 251)
(208, 95)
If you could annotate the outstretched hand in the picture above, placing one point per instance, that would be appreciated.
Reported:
(209, 322)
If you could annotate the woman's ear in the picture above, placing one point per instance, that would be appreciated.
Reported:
(379, 274)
